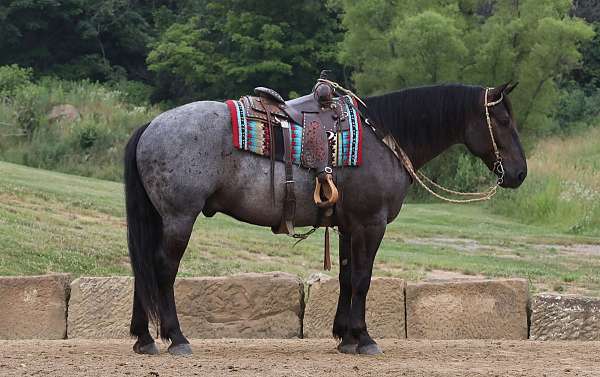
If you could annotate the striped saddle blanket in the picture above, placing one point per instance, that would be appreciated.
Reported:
(252, 135)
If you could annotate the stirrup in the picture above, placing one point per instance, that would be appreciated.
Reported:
(326, 194)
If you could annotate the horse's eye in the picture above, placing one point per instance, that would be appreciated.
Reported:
(503, 119)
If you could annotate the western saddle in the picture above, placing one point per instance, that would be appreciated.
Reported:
(321, 115)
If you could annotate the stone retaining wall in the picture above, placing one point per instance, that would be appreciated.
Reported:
(241, 306)
(272, 306)
(467, 309)
(385, 308)
(34, 307)
(568, 317)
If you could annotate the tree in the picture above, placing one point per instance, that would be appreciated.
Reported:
(587, 74)
(432, 48)
(231, 46)
(480, 42)
(587, 9)
(78, 38)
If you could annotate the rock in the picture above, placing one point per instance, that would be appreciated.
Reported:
(241, 306)
(568, 317)
(100, 307)
(316, 277)
(385, 308)
(34, 307)
(63, 112)
(483, 309)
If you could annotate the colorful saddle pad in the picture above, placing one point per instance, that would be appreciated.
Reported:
(253, 135)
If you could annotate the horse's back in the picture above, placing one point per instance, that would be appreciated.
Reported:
(201, 121)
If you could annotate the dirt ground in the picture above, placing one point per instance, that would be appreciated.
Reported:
(302, 357)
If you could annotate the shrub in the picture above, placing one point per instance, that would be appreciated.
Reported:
(90, 146)
(87, 136)
(30, 106)
(13, 77)
(133, 92)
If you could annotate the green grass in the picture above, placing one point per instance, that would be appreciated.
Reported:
(562, 189)
(53, 222)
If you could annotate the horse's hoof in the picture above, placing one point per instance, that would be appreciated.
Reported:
(148, 349)
(370, 349)
(348, 348)
(183, 349)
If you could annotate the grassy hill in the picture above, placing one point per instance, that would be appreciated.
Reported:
(53, 222)
(563, 187)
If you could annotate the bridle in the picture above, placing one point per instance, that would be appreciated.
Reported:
(498, 163)
(421, 178)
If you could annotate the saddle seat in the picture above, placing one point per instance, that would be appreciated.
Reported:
(321, 101)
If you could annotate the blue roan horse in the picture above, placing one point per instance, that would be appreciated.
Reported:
(183, 163)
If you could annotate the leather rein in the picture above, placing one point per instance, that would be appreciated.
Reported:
(421, 178)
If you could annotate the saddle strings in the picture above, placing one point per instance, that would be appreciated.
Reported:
(342, 89)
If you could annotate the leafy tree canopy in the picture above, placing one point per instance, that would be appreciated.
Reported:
(395, 44)
(78, 39)
(229, 47)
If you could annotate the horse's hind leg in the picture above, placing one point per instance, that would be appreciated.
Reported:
(139, 328)
(176, 234)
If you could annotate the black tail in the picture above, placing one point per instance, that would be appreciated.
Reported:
(144, 230)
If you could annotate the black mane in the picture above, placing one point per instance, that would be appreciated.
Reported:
(421, 117)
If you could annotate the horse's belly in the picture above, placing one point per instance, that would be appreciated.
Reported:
(246, 193)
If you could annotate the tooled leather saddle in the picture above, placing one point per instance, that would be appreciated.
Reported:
(321, 116)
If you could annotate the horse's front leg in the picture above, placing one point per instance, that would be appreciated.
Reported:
(365, 241)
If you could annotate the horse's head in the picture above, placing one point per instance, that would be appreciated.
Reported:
(504, 134)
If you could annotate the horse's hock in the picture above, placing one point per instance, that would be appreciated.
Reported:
(385, 308)
(469, 309)
(34, 307)
(241, 306)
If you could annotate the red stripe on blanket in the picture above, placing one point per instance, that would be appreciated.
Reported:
(359, 161)
(235, 128)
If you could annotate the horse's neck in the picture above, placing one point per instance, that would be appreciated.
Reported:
(421, 153)
(423, 130)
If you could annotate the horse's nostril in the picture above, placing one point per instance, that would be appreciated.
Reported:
(522, 176)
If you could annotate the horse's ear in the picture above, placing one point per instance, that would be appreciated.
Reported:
(497, 92)
(504, 89)
(509, 88)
